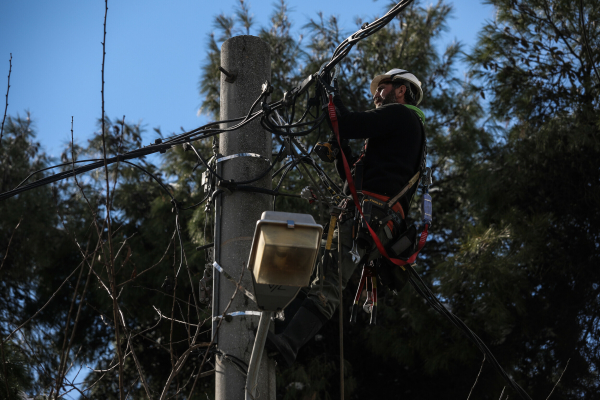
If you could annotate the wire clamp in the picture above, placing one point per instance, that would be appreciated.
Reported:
(228, 186)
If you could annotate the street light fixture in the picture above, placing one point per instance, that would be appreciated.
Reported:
(282, 259)
(285, 248)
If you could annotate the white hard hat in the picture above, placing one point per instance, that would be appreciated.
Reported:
(397, 74)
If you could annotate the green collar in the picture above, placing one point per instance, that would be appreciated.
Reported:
(415, 109)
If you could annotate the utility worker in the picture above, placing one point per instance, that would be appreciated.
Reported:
(391, 156)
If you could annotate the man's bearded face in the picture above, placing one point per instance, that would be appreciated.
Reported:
(385, 94)
(390, 97)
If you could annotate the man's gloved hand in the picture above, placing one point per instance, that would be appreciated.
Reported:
(327, 151)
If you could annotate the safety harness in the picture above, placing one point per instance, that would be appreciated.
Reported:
(427, 199)
(403, 241)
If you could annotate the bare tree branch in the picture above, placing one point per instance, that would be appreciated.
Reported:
(476, 379)
(110, 264)
(149, 268)
(45, 305)
(63, 357)
(561, 375)
(6, 106)
(9, 242)
(76, 323)
(213, 339)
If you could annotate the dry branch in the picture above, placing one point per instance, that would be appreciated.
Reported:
(9, 242)
(45, 305)
(559, 378)
(477, 378)
(6, 106)
(213, 339)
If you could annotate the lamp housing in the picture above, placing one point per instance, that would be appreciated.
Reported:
(285, 248)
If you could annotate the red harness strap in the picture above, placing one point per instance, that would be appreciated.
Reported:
(422, 239)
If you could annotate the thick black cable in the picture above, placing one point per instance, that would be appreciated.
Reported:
(206, 133)
(203, 132)
(197, 204)
(366, 30)
(281, 169)
(153, 177)
(310, 161)
(181, 138)
(277, 131)
(56, 166)
(151, 149)
(291, 166)
(275, 128)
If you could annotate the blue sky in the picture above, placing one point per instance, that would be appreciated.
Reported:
(154, 53)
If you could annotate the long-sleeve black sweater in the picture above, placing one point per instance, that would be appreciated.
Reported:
(393, 149)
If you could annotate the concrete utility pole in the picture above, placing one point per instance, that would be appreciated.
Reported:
(246, 65)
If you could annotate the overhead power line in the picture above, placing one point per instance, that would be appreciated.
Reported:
(206, 131)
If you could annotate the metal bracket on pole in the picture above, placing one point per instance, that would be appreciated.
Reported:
(257, 351)
(229, 76)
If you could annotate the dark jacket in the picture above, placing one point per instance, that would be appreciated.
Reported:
(393, 147)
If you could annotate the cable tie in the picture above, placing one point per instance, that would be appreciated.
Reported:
(218, 267)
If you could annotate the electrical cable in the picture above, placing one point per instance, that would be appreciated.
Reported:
(237, 362)
(56, 166)
(281, 169)
(366, 30)
(204, 132)
(155, 178)
(423, 290)
(197, 204)
(154, 148)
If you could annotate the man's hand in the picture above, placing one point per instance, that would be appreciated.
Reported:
(327, 151)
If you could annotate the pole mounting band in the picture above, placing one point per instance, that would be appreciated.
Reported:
(254, 155)
(238, 313)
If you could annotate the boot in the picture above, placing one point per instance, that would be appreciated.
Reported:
(304, 326)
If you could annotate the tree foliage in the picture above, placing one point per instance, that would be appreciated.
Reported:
(514, 248)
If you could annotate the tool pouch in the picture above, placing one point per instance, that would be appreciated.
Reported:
(374, 211)
(404, 245)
